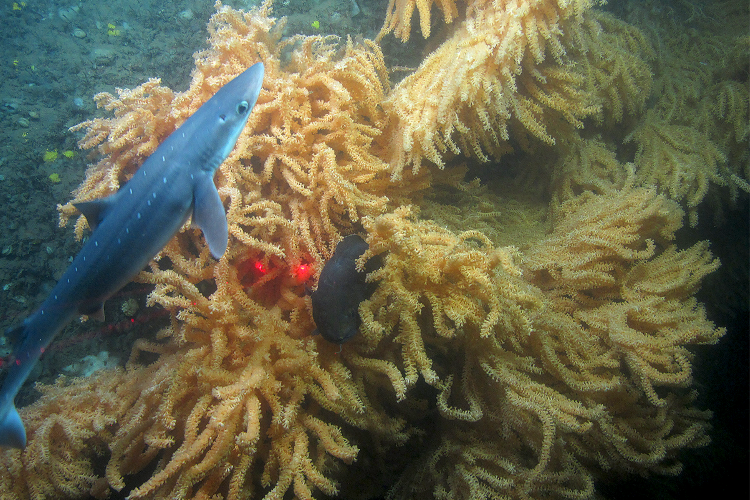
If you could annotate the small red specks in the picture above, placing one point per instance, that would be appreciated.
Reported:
(302, 272)
(250, 270)
(18, 362)
(42, 350)
(260, 267)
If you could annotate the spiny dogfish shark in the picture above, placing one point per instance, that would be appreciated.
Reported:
(133, 225)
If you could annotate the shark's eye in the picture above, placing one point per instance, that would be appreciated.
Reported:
(242, 108)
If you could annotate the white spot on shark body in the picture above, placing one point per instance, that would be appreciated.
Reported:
(163, 159)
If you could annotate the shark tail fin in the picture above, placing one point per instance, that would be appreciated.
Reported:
(12, 431)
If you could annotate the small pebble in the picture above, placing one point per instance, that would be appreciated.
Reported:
(103, 56)
(68, 14)
(24, 122)
(34, 115)
(186, 15)
(79, 33)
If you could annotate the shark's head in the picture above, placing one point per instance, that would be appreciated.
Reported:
(218, 123)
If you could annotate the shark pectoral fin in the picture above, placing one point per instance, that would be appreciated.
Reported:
(95, 210)
(12, 431)
(209, 215)
(92, 310)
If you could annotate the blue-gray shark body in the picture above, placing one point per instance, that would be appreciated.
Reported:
(134, 224)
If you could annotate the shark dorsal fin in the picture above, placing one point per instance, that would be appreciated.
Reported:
(94, 210)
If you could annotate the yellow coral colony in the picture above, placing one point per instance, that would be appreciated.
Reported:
(504, 67)
(231, 406)
(532, 346)
(515, 367)
(694, 139)
(399, 14)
